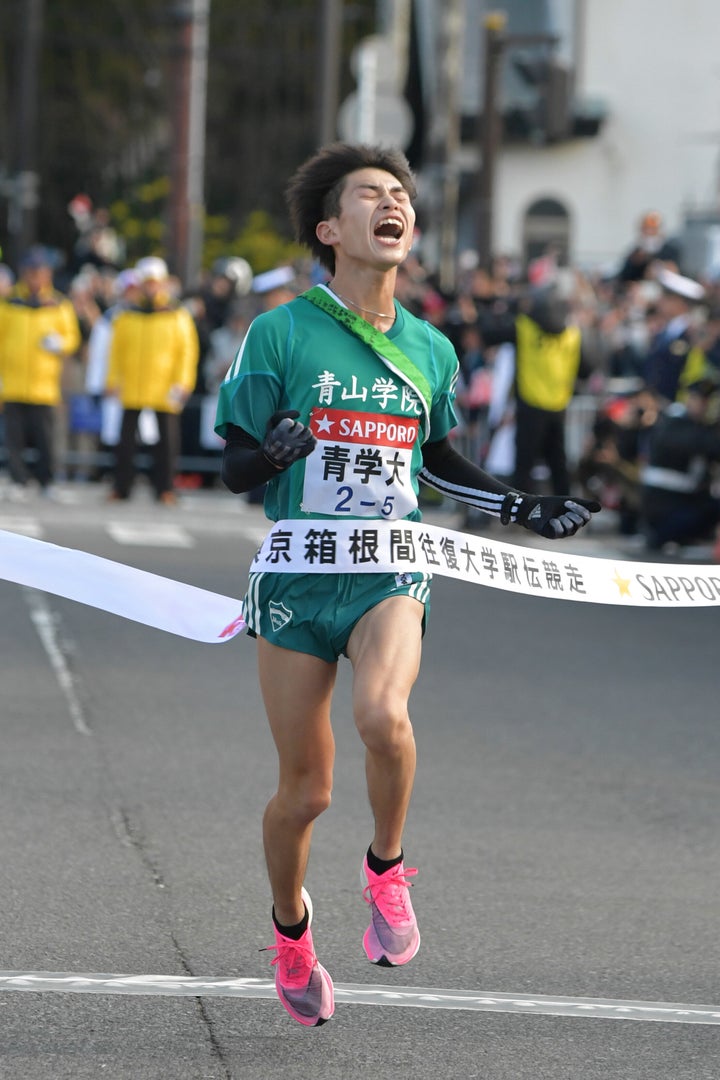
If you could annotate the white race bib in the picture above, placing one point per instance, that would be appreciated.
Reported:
(361, 466)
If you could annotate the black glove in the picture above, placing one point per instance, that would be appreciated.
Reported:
(286, 440)
(551, 516)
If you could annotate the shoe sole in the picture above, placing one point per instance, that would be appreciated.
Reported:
(383, 960)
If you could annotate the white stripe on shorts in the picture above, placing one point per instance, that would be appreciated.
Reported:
(252, 607)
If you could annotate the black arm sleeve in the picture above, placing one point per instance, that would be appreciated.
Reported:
(244, 466)
(453, 475)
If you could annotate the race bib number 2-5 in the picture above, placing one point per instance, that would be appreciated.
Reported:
(361, 466)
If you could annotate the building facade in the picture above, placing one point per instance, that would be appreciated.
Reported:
(642, 82)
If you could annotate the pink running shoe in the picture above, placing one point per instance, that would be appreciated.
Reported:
(392, 937)
(303, 985)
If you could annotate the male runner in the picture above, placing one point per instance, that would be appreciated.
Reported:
(298, 408)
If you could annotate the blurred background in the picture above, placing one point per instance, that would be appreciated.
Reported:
(566, 145)
(182, 119)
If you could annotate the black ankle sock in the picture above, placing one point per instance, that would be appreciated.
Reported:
(293, 932)
(379, 866)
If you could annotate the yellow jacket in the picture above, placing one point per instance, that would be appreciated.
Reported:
(29, 372)
(153, 358)
(697, 366)
(547, 365)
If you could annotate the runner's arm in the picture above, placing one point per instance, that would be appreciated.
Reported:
(448, 472)
(551, 516)
(244, 466)
(247, 463)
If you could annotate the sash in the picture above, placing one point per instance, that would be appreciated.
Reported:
(390, 354)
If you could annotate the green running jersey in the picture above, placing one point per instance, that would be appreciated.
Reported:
(369, 421)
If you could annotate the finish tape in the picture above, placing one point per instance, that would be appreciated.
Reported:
(334, 547)
(122, 590)
(355, 547)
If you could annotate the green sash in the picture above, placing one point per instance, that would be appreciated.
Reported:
(380, 343)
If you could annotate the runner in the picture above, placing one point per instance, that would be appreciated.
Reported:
(343, 401)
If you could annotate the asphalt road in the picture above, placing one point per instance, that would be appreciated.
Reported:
(565, 826)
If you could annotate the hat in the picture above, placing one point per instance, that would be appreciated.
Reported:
(35, 257)
(151, 268)
(125, 280)
(705, 387)
(273, 279)
(681, 286)
(236, 270)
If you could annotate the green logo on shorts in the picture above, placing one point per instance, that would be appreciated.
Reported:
(279, 615)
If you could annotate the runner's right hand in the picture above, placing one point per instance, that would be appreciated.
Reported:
(287, 440)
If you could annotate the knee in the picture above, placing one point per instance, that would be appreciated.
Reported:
(306, 798)
(385, 727)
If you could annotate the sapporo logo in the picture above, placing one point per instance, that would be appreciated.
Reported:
(279, 615)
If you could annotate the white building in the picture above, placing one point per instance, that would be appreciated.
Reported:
(652, 67)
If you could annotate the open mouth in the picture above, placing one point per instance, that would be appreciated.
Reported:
(390, 228)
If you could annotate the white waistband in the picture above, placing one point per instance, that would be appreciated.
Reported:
(669, 479)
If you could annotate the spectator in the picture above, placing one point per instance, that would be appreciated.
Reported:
(230, 278)
(548, 363)
(97, 243)
(626, 328)
(704, 355)
(275, 287)
(39, 331)
(153, 365)
(610, 464)
(7, 280)
(650, 247)
(678, 503)
(499, 459)
(668, 351)
(127, 293)
(225, 342)
(78, 417)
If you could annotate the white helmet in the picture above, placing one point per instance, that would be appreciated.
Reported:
(151, 268)
(236, 270)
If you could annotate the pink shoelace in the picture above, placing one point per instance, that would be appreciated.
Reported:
(296, 957)
(390, 891)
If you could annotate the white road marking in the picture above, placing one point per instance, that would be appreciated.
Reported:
(152, 535)
(256, 533)
(358, 994)
(46, 624)
(24, 526)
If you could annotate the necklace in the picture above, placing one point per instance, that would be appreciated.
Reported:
(368, 311)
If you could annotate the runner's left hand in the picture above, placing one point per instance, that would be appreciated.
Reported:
(555, 516)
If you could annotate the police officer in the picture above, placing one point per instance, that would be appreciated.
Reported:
(668, 352)
(677, 500)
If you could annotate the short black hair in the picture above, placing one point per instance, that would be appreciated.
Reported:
(314, 191)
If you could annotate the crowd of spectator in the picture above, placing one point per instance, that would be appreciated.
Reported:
(604, 383)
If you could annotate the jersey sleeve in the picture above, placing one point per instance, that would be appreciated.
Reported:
(442, 414)
(254, 386)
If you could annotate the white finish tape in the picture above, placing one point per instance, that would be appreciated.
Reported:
(356, 547)
(123, 590)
